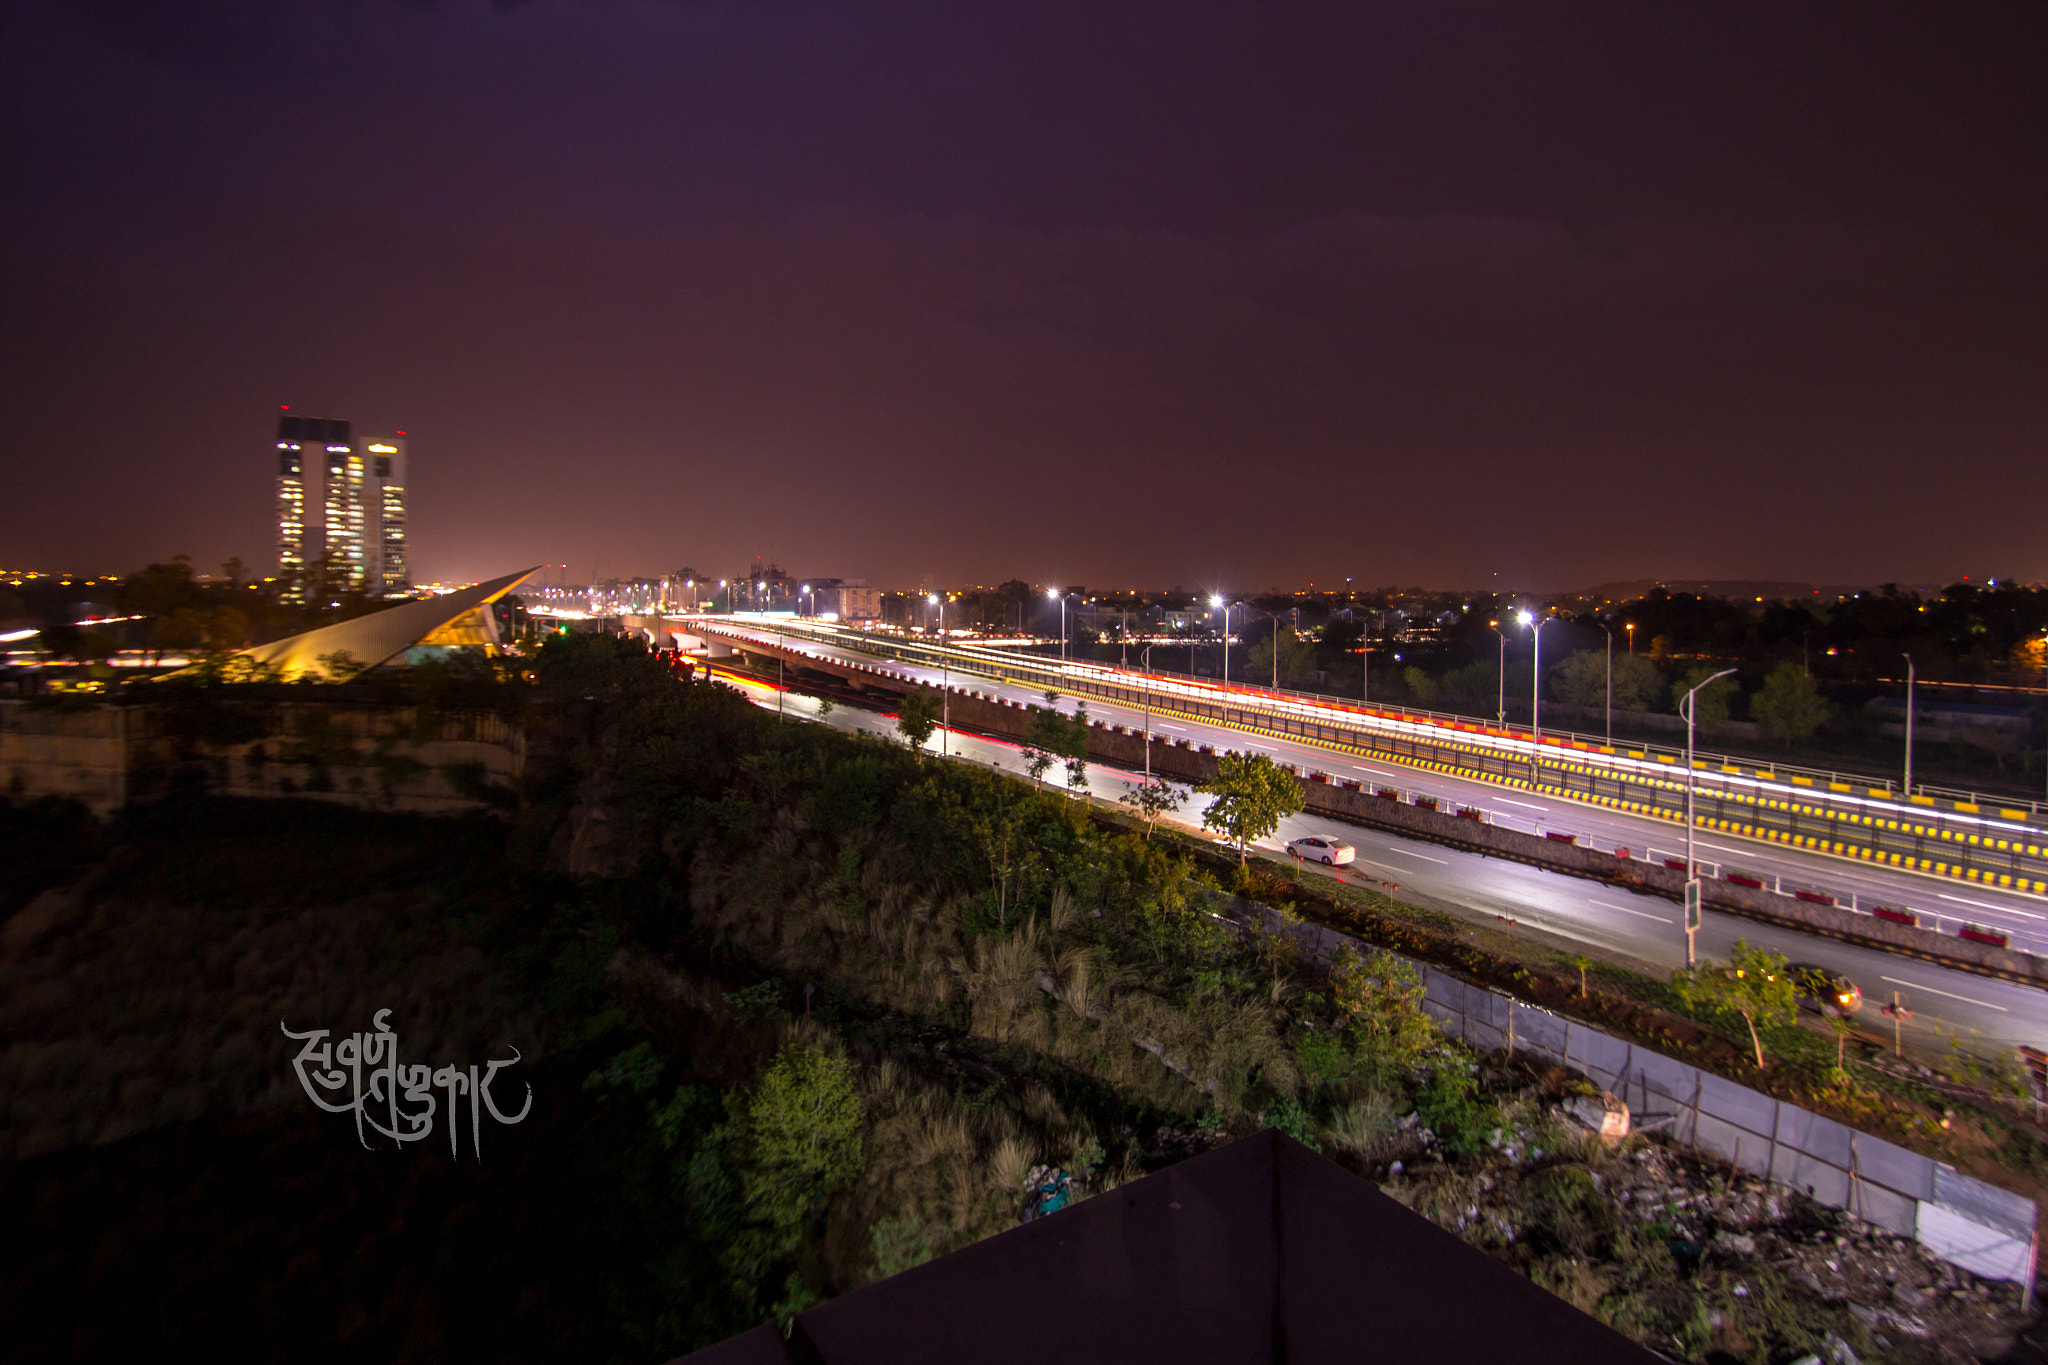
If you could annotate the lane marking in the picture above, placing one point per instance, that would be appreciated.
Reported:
(1950, 994)
(1387, 867)
(1523, 804)
(1701, 843)
(1424, 856)
(1986, 905)
(1626, 911)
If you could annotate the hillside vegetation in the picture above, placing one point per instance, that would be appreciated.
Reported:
(798, 1009)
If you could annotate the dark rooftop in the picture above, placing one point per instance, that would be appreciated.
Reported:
(1259, 1251)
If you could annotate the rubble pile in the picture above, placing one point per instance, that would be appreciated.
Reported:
(1690, 1258)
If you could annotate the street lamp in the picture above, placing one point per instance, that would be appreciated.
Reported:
(945, 677)
(801, 594)
(1500, 714)
(1630, 627)
(781, 685)
(728, 598)
(1216, 600)
(1062, 598)
(1365, 655)
(1692, 871)
(1145, 667)
(1610, 683)
(1909, 726)
(1536, 668)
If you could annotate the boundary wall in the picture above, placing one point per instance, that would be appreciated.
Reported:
(1990, 1232)
(1987, 1231)
(381, 758)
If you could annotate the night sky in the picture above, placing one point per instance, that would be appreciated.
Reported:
(1104, 294)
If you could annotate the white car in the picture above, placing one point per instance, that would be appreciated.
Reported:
(1317, 849)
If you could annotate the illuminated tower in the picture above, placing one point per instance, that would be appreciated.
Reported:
(300, 545)
(358, 534)
(291, 510)
(392, 572)
(342, 492)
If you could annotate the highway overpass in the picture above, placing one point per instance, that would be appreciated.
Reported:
(1955, 836)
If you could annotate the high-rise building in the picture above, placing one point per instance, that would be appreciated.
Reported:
(342, 490)
(387, 488)
(358, 541)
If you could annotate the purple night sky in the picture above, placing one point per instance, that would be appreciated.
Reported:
(1102, 294)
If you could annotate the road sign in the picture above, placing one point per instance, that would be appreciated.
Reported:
(1692, 905)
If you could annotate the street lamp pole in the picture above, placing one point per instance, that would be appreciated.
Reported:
(1365, 670)
(1692, 871)
(1630, 627)
(1500, 714)
(1049, 592)
(1215, 601)
(1610, 683)
(1145, 666)
(1909, 727)
(1536, 680)
(945, 679)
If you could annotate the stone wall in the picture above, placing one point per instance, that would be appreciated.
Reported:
(381, 758)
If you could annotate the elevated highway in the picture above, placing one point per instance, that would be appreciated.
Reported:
(1470, 768)
(1993, 844)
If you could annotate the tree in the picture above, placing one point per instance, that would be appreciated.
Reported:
(1421, 687)
(1789, 706)
(1581, 680)
(802, 1130)
(226, 629)
(1152, 800)
(1752, 983)
(1637, 683)
(1047, 740)
(339, 666)
(1076, 751)
(917, 718)
(1251, 796)
(2001, 744)
(1297, 656)
(1476, 686)
(1381, 997)
(1710, 707)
